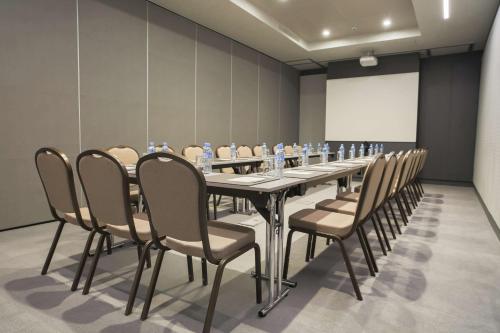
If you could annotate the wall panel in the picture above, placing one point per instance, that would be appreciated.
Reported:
(38, 91)
(213, 88)
(171, 78)
(269, 95)
(312, 108)
(245, 87)
(113, 73)
(289, 105)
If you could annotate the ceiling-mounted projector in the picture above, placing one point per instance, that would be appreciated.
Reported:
(368, 61)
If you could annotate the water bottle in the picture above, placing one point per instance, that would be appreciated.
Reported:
(233, 152)
(376, 149)
(151, 147)
(320, 150)
(164, 148)
(279, 160)
(352, 152)
(264, 150)
(324, 155)
(305, 156)
(311, 148)
(370, 150)
(362, 150)
(207, 158)
(328, 148)
(341, 153)
(295, 150)
(381, 150)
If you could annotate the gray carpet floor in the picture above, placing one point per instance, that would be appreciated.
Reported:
(443, 275)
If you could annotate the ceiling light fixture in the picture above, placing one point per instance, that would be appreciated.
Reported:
(446, 9)
(387, 23)
(325, 33)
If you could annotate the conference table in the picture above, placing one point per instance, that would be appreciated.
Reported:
(268, 194)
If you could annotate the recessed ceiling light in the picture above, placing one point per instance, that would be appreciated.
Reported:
(387, 23)
(446, 9)
(325, 33)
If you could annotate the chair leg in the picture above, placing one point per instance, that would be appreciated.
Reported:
(308, 249)
(351, 272)
(235, 206)
(368, 247)
(152, 285)
(93, 267)
(420, 185)
(53, 247)
(258, 276)
(204, 271)
(408, 211)
(108, 244)
(401, 211)
(287, 253)
(386, 239)
(382, 247)
(215, 206)
(411, 195)
(83, 260)
(327, 241)
(313, 247)
(137, 278)
(398, 228)
(391, 229)
(213, 296)
(190, 268)
(365, 252)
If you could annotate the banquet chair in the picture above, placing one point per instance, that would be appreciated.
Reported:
(128, 156)
(175, 194)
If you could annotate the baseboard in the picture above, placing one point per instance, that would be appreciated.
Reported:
(27, 225)
(446, 182)
(493, 223)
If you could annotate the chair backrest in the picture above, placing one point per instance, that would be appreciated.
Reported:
(275, 149)
(257, 150)
(158, 149)
(191, 152)
(126, 154)
(405, 170)
(245, 151)
(412, 160)
(56, 176)
(369, 188)
(390, 167)
(288, 150)
(176, 198)
(397, 173)
(106, 187)
(224, 152)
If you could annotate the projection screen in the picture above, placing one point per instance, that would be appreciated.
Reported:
(380, 108)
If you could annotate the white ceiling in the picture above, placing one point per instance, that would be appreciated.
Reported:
(290, 30)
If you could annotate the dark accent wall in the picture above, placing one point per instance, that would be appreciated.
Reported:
(125, 72)
(448, 104)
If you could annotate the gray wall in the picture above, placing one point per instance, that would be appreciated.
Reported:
(487, 158)
(449, 91)
(125, 72)
(312, 108)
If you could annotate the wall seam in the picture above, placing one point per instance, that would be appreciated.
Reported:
(78, 76)
(231, 95)
(258, 97)
(147, 72)
(195, 81)
(280, 137)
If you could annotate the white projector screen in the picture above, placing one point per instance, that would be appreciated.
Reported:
(379, 108)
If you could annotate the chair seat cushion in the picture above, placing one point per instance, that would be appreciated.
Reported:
(84, 212)
(224, 238)
(322, 221)
(134, 193)
(338, 206)
(357, 189)
(348, 196)
(142, 228)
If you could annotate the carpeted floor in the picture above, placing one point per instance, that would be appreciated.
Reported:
(443, 275)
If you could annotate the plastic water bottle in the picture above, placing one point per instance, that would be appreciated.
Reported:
(362, 150)
(320, 150)
(295, 149)
(279, 160)
(233, 152)
(164, 148)
(370, 150)
(341, 153)
(381, 150)
(324, 155)
(151, 147)
(352, 152)
(305, 156)
(376, 149)
(328, 148)
(264, 150)
(311, 148)
(207, 158)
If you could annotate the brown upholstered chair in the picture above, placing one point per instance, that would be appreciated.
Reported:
(288, 150)
(128, 156)
(175, 193)
(191, 152)
(257, 150)
(57, 179)
(245, 151)
(105, 184)
(338, 226)
(224, 152)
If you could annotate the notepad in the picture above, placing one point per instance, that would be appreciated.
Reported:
(246, 180)
(299, 172)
